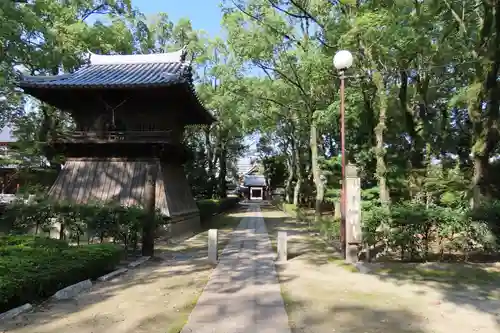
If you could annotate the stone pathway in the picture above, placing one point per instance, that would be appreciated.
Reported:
(243, 294)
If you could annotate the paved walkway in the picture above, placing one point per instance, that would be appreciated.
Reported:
(243, 294)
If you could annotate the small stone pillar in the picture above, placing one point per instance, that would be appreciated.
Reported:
(353, 213)
(282, 246)
(336, 213)
(213, 252)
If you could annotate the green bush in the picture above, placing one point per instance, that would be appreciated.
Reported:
(100, 221)
(228, 203)
(211, 207)
(329, 228)
(290, 209)
(34, 268)
(207, 207)
(411, 228)
(27, 241)
(488, 214)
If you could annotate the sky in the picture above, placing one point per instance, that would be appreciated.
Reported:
(204, 14)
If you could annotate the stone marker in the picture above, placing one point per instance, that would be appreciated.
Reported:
(353, 213)
(282, 246)
(213, 252)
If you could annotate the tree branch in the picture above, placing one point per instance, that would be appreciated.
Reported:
(277, 7)
(281, 33)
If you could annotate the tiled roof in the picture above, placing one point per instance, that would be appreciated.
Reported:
(114, 76)
(120, 71)
(254, 180)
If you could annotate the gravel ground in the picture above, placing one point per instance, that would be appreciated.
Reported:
(322, 296)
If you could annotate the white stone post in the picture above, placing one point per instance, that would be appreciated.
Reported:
(282, 246)
(213, 252)
(353, 213)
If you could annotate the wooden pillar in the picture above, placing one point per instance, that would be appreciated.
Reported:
(353, 213)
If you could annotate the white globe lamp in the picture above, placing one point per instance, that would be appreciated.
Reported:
(342, 60)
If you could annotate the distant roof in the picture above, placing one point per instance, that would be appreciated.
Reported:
(248, 170)
(254, 180)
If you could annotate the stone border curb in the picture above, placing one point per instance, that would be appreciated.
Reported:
(16, 311)
(138, 262)
(73, 290)
(112, 275)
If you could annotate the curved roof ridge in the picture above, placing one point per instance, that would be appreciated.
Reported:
(178, 56)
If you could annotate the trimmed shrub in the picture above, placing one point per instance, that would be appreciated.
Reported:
(9, 242)
(34, 268)
(228, 203)
(211, 207)
(208, 208)
(413, 229)
(329, 228)
(122, 224)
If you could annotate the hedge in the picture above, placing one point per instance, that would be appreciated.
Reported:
(211, 207)
(96, 221)
(415, 230)
(123, 224)
(34, 268)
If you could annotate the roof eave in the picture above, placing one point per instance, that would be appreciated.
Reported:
(46, 85)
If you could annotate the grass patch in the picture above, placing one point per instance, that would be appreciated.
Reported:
(341, 263)
(290, 306)
(290, 209)
(456, 273)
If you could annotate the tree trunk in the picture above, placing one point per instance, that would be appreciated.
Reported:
(223, 171)
(484, 129)
(148, 227)
(379, 138)
(210, 161)
(411, 124)
(299, 173)
(62, 229)
(480, 164)
(316, 171)
(296, 191)
(288, 184)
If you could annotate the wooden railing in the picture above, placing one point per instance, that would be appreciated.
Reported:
(117, 136)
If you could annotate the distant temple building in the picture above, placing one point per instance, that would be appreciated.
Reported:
(253, 184)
